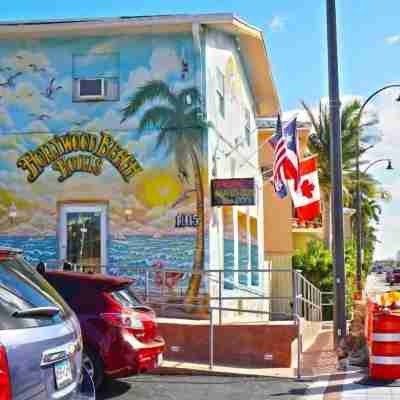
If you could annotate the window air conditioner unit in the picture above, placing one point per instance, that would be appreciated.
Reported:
(91, 89)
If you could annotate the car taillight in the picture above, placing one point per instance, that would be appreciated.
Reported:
(5, 381)
(122, 320)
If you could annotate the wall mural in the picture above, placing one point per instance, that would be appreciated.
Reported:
(99, 147)
(152, 138)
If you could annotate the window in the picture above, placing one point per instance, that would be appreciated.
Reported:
(247, 131)
(126, 297)
(229, 249)
(96, 77)
(221, 92)
(243, 249)
(255, 275)
(21, 287)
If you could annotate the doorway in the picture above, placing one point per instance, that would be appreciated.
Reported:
(83, 235)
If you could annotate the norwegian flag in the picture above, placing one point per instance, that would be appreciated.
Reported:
(286, 157)
(306, 198)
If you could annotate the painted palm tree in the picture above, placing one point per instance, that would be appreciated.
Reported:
(178, 117)
(319, 143)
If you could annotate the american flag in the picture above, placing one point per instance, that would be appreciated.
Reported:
(286, 157)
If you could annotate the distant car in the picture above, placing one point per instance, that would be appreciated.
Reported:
(395, 277)
(40, 338)
(388, 276)
(120, 334)
(379, 269)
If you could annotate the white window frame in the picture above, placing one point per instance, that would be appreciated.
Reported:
(75, 208)
(92, 97)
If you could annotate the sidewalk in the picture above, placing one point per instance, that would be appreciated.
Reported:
(319, 359)
(348, 387)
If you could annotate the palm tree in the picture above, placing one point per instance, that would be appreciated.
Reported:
(178, 116)
(319, 143)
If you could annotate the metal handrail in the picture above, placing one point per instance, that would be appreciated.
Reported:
(306, 298)
(210, 309)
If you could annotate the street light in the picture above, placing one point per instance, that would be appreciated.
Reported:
(389, 167)
(358, 190)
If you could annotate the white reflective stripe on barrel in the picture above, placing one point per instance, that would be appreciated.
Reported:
(386, 337)
(385, 360)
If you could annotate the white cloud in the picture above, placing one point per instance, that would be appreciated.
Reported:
(111, 120)
(277, 23)
(5, 119)
(163, 62)
(26, 95)
(37, 126)
(395, 39)
(24, 59)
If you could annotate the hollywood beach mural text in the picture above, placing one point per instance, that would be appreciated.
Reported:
(98, 147)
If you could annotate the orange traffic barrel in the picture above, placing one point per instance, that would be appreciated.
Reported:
(384, 360)
(372, 307)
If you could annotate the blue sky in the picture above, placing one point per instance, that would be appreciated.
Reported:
(369, 42)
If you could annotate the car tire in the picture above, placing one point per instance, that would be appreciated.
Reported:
(94, 365)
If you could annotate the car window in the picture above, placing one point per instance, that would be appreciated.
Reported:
(22, 287)
(126, 297)
(9, 303)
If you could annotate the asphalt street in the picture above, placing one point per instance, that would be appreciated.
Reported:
(149, 387)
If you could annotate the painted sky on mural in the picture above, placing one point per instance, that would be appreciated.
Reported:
(295, 32)
(26, 106)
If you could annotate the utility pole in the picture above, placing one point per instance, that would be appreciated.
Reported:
(339, 316)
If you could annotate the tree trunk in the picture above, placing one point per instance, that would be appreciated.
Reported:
(326, 219)
(198, 262)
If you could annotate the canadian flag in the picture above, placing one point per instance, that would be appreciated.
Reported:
(306, 198)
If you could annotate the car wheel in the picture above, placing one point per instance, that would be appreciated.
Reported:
(93, 364)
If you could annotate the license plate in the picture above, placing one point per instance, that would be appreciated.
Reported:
(159, 359)
(63, 373)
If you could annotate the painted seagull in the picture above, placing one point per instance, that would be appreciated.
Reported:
(35, 68)
(80, 123)
(41, 117)
(51, 89)
(10, 81)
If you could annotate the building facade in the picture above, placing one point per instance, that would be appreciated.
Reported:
(111, 131)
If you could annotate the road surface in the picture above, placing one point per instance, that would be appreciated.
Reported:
(149, 387)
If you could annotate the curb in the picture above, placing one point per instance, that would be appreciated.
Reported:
(184, 371)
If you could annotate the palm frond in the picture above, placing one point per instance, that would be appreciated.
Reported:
(148, 92)
(156, 117)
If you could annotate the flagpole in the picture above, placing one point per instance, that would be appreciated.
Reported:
(336, 173)
(264, 143)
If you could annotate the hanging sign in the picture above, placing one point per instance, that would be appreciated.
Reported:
(91, 150)
(232, 192)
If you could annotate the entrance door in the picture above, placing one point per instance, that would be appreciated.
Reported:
(83, 235)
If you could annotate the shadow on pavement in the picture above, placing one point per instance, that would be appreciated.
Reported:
(113, 388)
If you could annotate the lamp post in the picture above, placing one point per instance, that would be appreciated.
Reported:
(358, 189)
(336, 171)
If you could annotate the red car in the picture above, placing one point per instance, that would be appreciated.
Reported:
(394, 277)
(120, 334)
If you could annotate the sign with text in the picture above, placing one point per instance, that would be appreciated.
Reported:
(89, 152)
(232, 192)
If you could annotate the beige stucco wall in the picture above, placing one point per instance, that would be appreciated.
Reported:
(279, 240)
